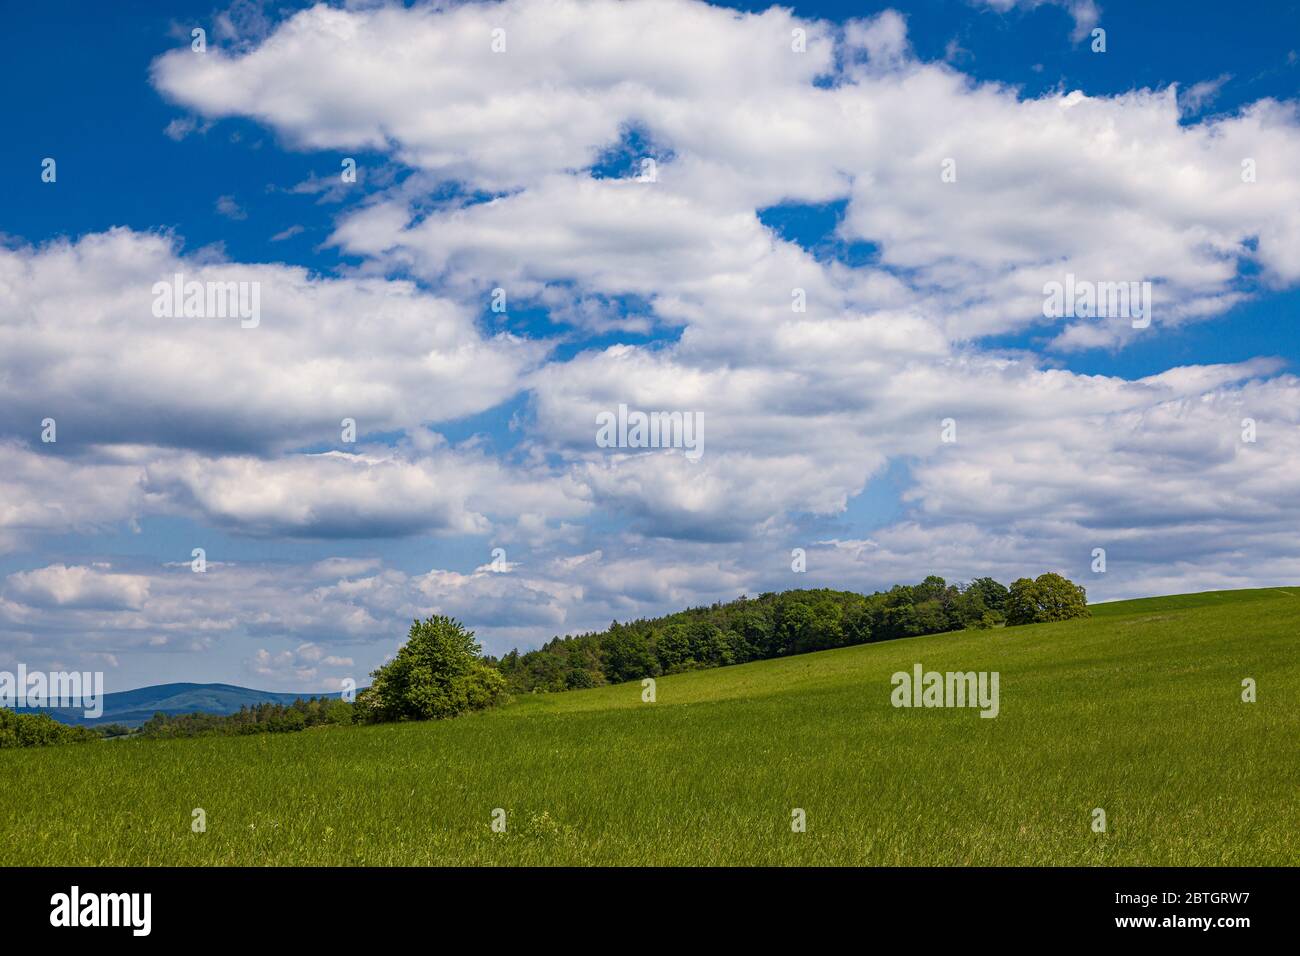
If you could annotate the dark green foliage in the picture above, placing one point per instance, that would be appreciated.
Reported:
(747, 629)
(598, 778)
(260, 719)
(625, 653)
(1049, 597)
(38, 730)
(437, 673)
(993, 594)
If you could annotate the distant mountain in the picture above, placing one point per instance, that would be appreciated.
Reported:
(134, 707)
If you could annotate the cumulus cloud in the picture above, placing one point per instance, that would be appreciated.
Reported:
(377, 492)
(803, 409)
(882, 38)
(55, 494)
(91, 588)
(1106, 188)
(302, 663)
(327, 495)
(337, 619)
(426, 83)
(815, 372)
(379, 352)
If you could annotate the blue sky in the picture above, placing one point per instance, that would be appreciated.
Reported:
(148, 181)
(777, 171)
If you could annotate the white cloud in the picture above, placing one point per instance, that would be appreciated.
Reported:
(230, 209)
(379, 352)
(1107, 188)
(234, 427)
(1202, 94)
(883, 38)
(90, 588)
(426, 82)
(302, 663)
(376, 492)
(45, 493)
(327, 495)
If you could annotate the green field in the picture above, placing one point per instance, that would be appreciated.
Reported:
(1137, 711)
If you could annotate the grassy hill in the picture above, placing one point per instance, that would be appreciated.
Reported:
(1137, 711)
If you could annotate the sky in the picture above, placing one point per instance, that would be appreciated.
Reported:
(837, 264)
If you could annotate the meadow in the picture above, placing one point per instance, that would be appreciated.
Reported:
(1137, 711)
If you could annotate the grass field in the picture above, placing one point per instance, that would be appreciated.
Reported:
(1137, 711)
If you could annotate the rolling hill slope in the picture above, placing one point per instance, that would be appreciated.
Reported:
(134, 707)
(1137, 712)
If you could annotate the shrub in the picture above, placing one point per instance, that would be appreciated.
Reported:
(437, 673)
(38, 730)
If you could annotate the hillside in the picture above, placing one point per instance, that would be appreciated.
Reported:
(1136, 711)
(770, 625)
(134, 707)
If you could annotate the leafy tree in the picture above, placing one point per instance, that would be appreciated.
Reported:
(827, 627)
(990, 592)
(932, 588)
(437, 673)
(337, 711)
(857, 625)
(930, 618)
(709, 644)
(628, 656)
(673, 648)
(1049, 597)
(794, 624)
(752, 624)
(1022, 601)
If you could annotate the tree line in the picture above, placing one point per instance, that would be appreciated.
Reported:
(441, 672)
(267, 718)
(781, 624)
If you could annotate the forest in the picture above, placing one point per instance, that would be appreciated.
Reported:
(776, 625)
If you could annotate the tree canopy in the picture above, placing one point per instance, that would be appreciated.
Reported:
(771, 625)
(437, 673)
(1048, 597)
